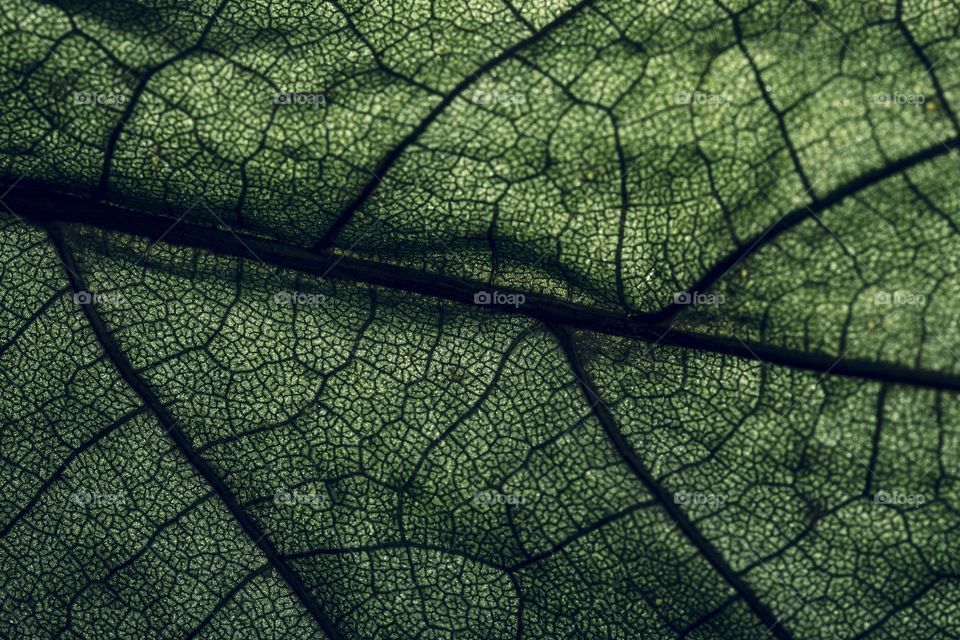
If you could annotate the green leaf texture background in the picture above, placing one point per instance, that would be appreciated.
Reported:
(501, 319)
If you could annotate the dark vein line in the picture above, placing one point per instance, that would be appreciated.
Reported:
(397, 151)
(928, 203)
(520, 17)
(577, 535)
(470, 412)
(104, 184)
(806, 212)
(875, 441)
(43, 201)
(715, 194)
(36, 315)
(768, 100)
(903, 606)
(549, 309)
(146, 394)
(104, 580)
(521, 605)
(927, 65)
(377, 58)
(663, 495)
(59, 471)
(707, 617)
(225, 600)
(809, 526)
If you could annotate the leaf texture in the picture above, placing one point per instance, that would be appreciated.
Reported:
(484, 320)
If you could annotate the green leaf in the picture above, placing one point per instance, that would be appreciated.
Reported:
(500, 320)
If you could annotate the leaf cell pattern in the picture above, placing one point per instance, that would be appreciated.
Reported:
(253, 389)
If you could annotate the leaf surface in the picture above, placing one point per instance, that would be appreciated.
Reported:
(250, 390)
